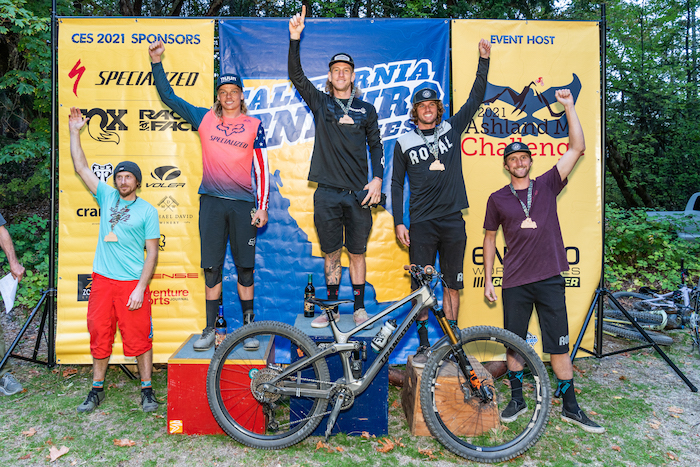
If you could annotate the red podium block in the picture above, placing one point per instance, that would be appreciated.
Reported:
(188, 406)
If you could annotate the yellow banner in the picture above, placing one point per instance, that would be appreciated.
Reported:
(528, 59)
(104, 69)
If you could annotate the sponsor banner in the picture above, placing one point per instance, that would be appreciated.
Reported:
(288, 247)
(104, 69)
(530, 60)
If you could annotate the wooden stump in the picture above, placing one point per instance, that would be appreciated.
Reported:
(465, 418)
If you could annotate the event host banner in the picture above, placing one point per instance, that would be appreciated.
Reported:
(104, 69)
(392, 59)
(530, 60)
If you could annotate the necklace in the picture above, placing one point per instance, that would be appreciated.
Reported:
(434, 148)
(118, 215)
(346, 119)
(528, 223)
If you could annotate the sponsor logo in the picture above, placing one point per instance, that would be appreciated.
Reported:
(564, 340)
(176, 275)
(460, 277)
(165, 176)
(77, 73)
(251, 242)
(103, 172)
(144, 78)
(104, 124)
(84, 287)
(88, 212)
(161, 120)
(168, 296)
(531, 339)
(388, 86)
(175, 427)
(168, 203)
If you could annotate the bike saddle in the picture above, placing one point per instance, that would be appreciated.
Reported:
(647, 290)
(328, 303)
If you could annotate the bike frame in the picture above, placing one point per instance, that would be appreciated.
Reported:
(425, 298)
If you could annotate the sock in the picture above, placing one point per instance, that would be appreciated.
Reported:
(98, 385)
(358, 291)
(516, 385)
(568, 395)
(212, 312)
(332, 291)
(423, 333)
(146, 385)
(452, 323)
(247, 306)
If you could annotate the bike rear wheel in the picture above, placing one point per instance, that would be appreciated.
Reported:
(470, 427)
(628, 332)
(243, 409)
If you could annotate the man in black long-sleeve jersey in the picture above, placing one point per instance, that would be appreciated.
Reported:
(431, 157)
(345, 126)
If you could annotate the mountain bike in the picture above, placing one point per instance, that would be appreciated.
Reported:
(280, 399)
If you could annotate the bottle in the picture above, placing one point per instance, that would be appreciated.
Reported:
(309, 292)
(220, 327)
(382, 337)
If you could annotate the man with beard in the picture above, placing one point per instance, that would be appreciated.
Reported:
(532, 265)
(431, 157)
(119, 293)
(345, 126)
(233, 147)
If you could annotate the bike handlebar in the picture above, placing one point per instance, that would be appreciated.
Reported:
(422, 274)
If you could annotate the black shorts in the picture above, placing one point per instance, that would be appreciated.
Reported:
(223, 219)
(548, 297)
(340, 220)
(444, 235)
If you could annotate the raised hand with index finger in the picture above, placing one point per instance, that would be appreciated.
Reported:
(296, 24)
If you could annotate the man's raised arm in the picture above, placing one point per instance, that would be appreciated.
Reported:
(75, 122)
(577, 143)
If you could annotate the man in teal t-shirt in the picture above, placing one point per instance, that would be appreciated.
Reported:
(119, 293)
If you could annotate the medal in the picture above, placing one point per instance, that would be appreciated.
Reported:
(117, 216)
(346, 119)
(528, 223)
(436, 165)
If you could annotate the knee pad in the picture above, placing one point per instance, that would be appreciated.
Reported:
(212, 277)
(245, 276)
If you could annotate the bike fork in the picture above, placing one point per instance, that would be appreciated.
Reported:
(475, 386)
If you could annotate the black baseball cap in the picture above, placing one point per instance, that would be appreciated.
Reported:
(342, 57)
(425, 94)
(516, 146)
(128, 166)
(229, 78)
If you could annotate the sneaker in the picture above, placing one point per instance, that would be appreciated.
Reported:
(421, 356)
(579, 418)
(360, 316)
(148, 400)
(251, 344)
(322, 320)
(9, 385)
(513, 410)
(206, 340)
(94, 399)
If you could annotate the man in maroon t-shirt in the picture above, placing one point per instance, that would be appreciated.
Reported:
(527, 211)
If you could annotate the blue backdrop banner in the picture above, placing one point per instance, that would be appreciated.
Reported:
(392, 59)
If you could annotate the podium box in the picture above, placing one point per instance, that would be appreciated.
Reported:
(370, 411)
(188, 406)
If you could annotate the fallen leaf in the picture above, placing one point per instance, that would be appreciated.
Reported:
(556, 401)
(617, 448)
(614, 371)
(558, 428)
(365, 435)
(74, 463)
(112, 386)
(592, 412)
(623, 378)
(399, 443)
(339, 449)
(69, 372)
(27, 456)
(655, 426)
(68, 438)
(675, 410)
(672, 456)
(427, 452)
(617, 397)
(396, 404)
(387, 445)
(124, 442)
(29, 432)
(605, 374)
(155, 415)
(320, 445)
(577, 390)
(56, 453)
(49, 442)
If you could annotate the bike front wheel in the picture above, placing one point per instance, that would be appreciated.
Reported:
(469, 426)
(244, 410)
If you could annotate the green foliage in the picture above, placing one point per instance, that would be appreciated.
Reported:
(30, 237)
(645, 251)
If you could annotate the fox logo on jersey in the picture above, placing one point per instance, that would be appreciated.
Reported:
(229, 129)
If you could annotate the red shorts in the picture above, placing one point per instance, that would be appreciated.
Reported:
(107, 308)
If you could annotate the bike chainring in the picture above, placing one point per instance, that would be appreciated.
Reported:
(346, 391)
